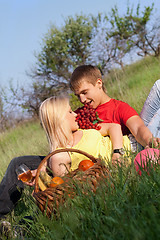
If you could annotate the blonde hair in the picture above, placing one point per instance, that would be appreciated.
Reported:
(86, 73)
(52, 115)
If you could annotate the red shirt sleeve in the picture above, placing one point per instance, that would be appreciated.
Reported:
(124, 111)
(116, 111)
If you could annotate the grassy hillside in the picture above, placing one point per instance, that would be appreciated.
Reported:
(130, 210)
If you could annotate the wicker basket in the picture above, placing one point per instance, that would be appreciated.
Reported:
(49, 199)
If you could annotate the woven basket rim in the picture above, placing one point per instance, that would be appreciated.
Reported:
(91, 157)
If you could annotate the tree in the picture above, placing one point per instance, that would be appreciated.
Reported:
(132, 32)
(8, 113)
(63, 49)
(127, 34)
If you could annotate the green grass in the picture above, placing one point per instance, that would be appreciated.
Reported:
(26, 139)
(130, 210)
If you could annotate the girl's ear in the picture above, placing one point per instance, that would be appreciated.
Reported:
(99, 83)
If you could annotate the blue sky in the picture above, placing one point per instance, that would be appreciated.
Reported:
(23, 23)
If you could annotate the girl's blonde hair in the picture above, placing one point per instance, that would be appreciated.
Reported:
(52, 115)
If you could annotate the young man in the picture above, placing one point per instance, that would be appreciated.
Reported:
(86, 82)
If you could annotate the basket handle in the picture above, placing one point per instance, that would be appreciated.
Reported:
(55, 152)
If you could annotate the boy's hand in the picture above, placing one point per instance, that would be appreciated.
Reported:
(154, 142)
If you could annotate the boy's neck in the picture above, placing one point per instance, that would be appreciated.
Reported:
(105, 98)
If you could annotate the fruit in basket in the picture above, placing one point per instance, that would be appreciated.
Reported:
(85, 164)
(41, 185)
(87, 117)
(56, 181)
(46, 179)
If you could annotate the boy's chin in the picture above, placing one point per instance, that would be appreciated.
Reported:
(93, 105)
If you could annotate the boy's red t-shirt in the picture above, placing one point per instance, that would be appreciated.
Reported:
(116, 111)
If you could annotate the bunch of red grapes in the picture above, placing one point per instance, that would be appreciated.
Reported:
(87, 117)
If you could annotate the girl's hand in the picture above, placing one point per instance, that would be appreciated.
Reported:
(116, 158)
(31, 184)
(104, 128)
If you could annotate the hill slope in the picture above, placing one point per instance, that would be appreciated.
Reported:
(125, 206)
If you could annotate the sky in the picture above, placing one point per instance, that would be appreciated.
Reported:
(23, 23)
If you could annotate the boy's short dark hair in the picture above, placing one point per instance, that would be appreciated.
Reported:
(86, 73)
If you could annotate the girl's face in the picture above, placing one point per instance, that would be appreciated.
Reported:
(71, 118)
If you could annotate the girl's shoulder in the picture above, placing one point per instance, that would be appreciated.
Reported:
(59, 162)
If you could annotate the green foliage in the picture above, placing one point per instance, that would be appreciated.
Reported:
(65, 48)
(131, 24)
(74, 102)
(78, 33)
(127, 34)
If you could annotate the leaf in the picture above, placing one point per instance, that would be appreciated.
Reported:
(98, 119)
(95, 121)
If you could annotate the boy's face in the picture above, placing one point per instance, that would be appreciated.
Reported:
(88, 93)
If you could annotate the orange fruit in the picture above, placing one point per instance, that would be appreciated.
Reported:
(56, 181)
(85, 164)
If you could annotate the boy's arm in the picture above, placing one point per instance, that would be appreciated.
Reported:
(141, 132)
